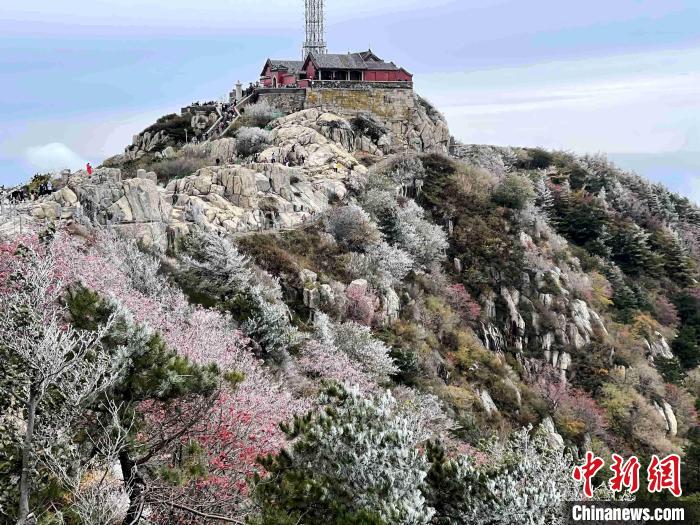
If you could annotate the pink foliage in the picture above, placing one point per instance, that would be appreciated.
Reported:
(461, 301)
(9, 261)
(571, 403)
(666, 312)
(361, 303)
(327, 362)
(244, 422)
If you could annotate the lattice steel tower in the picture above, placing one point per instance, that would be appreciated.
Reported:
(315, 33)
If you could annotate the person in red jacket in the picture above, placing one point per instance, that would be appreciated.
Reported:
(89, 169)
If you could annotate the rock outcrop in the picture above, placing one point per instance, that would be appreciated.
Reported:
(231, 198)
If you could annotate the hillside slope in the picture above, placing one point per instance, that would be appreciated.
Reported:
(438, 335)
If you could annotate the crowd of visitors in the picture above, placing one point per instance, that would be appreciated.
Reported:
(21, 194)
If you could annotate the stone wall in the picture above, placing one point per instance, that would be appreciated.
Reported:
(388, 104)
(288, 101)
(411, 123)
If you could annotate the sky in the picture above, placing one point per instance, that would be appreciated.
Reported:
(622, 77)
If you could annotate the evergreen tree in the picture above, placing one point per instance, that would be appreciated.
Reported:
(214, 271)
(686, 345)
(355, 462)
(676, 262)
(152, 372)
(631, 250)
(691, 463)
(544, 198)
(529, 484)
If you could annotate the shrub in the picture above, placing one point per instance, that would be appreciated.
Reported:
(514, 192)
(352, 227)
(173, 125)
(170, 169)
(366, 124)
(460, 300)
(260, 114)
(666, 312)
(250, 141)
(361, 304)
(267, 253)
(535, 159)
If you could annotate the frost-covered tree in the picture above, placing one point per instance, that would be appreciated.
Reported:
(424, 241)
(354, 462)
(176, 346)
(97, 496)
(142, 268)
(392, 261)
(403, 169)
(52, 369)
(356, 341)
(268, 324)
(544, 198)
(352, 227)
(213, 267)
(529, 483)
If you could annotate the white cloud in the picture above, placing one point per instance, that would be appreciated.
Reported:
(53, 157)
(631, 103)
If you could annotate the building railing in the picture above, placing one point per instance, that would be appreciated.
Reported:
(361, 84)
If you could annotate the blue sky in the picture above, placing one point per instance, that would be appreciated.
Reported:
(80, 77)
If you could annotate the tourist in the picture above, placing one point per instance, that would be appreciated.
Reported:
(89, 169)
(218, 161)
(274, 159)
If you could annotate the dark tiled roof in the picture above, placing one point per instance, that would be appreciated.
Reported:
(293, 66)
(351, 61)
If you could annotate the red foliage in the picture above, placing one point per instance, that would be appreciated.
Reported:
(460, 300)
(242, 423)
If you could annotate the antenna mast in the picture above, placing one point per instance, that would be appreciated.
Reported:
(315, 32)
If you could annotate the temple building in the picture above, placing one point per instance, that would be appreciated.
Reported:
(364, 66)
(318, 66)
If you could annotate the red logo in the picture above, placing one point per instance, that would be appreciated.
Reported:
(626, 474)
(587, 471)
(662, 474)
(665, 474)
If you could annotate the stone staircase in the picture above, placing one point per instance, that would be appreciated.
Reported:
(211, 133)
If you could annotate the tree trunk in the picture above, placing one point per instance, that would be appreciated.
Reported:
(134, 484)
(24, 484)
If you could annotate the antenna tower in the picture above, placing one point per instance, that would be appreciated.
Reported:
(315, 32)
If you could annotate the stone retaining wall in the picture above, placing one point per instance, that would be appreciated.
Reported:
(288, 101)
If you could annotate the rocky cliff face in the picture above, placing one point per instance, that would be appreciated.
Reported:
(232, 198)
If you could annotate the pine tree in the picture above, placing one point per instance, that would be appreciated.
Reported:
(544, 199)
(152, 372)
(355, 462)
(529, 484)
(213, 270)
